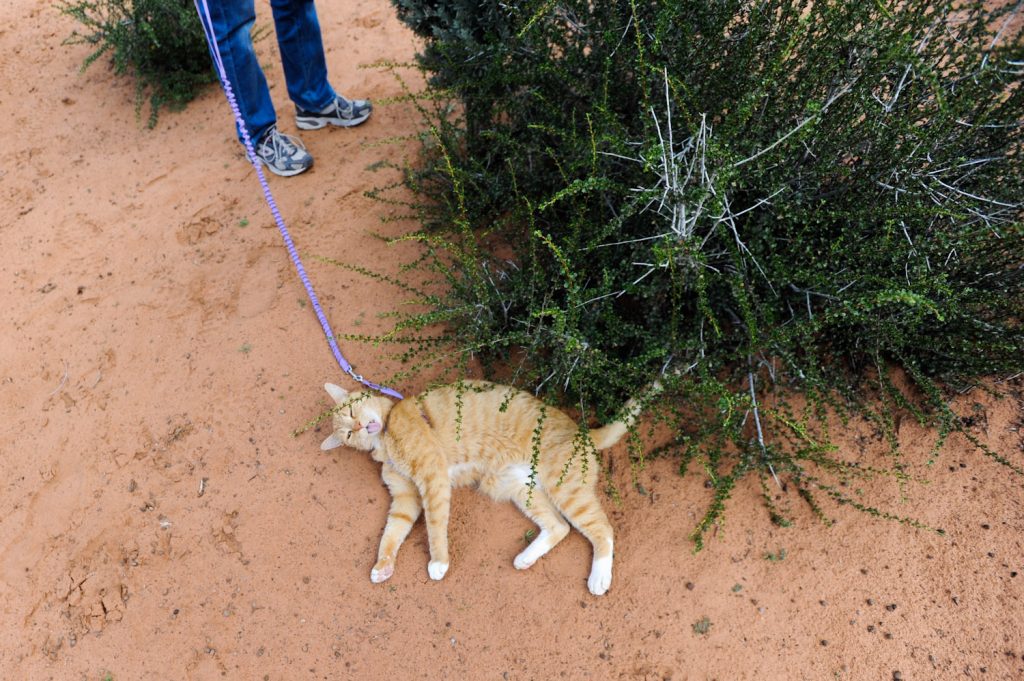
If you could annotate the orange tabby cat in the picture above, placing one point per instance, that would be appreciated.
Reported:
(483, 434)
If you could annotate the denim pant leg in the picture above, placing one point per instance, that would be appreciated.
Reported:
(232, 25)
(302, 53)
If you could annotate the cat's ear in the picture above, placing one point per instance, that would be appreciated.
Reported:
(337, 393)
(333, 441)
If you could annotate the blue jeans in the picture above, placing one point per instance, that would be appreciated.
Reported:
(302, 55)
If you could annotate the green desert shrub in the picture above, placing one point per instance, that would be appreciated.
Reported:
(159, 43)
(772, 206)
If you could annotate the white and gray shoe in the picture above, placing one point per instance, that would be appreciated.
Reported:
(342, 112)
(283, 154)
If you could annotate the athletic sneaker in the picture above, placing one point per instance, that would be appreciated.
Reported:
(283, 154)
(341, 111)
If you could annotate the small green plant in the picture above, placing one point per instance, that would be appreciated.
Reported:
(244, 222)
(736, 588)
(245, 348)
(159, 43)
(776, 557)
(702, 626)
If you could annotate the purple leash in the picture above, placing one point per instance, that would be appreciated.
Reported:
(207, 22)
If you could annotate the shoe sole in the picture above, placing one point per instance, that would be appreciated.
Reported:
(283, 173)
(316, 122)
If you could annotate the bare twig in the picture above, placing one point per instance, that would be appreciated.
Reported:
(757, 422)
(824, 107)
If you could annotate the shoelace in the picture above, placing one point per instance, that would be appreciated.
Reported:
(282, 145)
(345, 108)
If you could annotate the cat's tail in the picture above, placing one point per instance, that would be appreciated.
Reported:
(610, 434)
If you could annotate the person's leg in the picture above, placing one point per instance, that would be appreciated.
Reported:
(302, 53)
(232, 26)
(305, 70)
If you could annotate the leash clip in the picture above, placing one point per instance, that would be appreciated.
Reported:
(357, 377)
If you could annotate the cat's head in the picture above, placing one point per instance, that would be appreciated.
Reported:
(359, 419)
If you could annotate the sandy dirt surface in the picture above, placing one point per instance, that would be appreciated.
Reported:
(158, 520)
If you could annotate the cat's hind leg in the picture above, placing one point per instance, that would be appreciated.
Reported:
(553, 528)
(581, 507)
(512, 483)
(405, 509)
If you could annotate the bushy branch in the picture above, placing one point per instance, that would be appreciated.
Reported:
(762, 202)
(159, 43)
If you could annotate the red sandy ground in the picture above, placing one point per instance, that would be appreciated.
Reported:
(159, 521)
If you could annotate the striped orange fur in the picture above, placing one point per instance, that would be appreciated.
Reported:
(479, 434)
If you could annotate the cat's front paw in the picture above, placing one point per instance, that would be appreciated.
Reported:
(382, 570)
(600, 576)
(437, 569)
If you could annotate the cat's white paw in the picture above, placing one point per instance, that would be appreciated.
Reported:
(600, 576)
(381, 572)
(437, 569)
(537, 548)
(524, 560)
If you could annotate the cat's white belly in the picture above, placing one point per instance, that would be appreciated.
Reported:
(518, 474)
(507, 483)
(462, 474)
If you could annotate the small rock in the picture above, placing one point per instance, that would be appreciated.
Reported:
(897, 676)
(689, 586)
